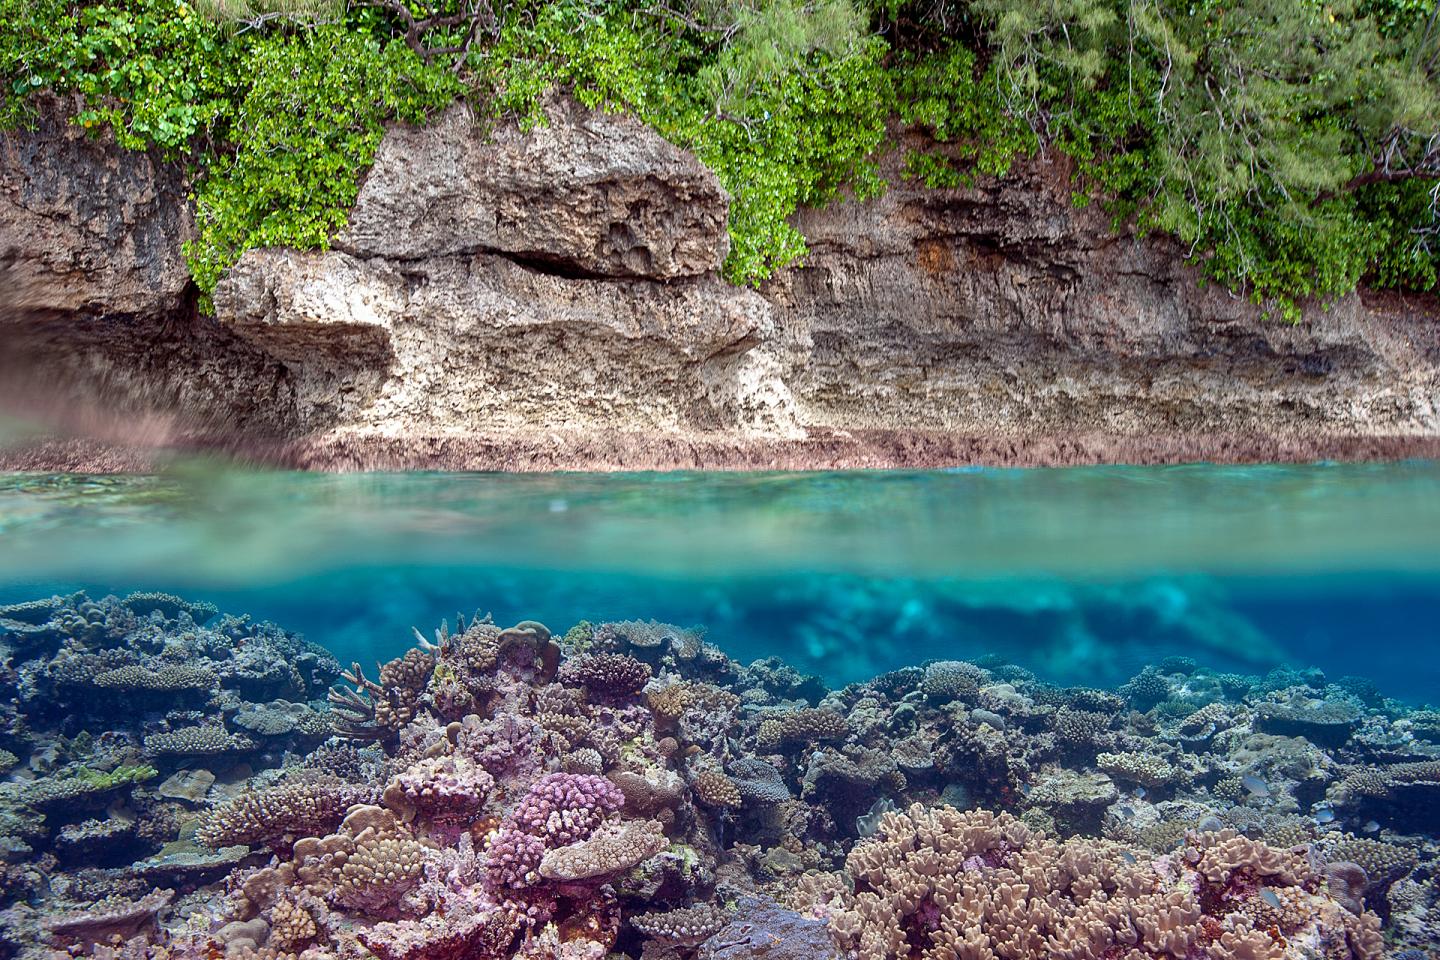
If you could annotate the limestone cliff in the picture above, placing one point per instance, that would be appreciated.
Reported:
(551, 298)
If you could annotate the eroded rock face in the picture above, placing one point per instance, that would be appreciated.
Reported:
(1006, 309)
(98, 330)
(87, 227)
(562, 277)
(586, 194)
(550, 299)
(481, 342)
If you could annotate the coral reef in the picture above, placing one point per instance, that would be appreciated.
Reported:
(627, 790)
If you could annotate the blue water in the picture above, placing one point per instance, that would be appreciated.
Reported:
(1081, 575)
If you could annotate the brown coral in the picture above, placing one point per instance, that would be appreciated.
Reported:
(273, 815)
(940, 884)
(800, 727)
(613, 848)
(292, 927)
(714, 789)
(683, 927)
(612, 675)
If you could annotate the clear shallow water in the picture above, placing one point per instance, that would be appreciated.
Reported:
(1082, 575)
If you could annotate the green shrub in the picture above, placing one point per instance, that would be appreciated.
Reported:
(1258, 149)
(312, 116)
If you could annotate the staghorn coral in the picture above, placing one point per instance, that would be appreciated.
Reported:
(371, 710)
(481, 849)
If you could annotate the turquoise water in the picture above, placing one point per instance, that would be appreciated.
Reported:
(1082, 575)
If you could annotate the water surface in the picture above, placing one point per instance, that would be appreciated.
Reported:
(1082, 575)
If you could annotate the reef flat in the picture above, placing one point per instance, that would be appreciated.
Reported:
(185, 783)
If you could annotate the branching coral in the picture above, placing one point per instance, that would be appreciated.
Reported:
(559, 809)
(273, 815)
(939, 884)
(370, 710)
(492, 800)
(612, 675)
(197, 741)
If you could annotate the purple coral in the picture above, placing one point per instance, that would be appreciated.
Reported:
(445, 788)
(559, 809)
(514, 858)
(507, 746)
(566, 807)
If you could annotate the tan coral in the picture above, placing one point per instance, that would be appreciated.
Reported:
(717, 791)
(291, 926)
(944, 885)
(613, 848)
(276, 813)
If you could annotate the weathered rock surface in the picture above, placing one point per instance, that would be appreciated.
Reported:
(564, 277)
(550, 299)
(1006, 309)
(482, 343)
(588, 193)
(85, 226)
(98, 330)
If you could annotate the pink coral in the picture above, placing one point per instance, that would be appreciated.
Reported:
(508, 746)
(514, 858)
(445, 788)
(559, 809)
(565, 807)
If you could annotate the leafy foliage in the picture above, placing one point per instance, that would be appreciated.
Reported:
(1245, 129)
(789, 128)
(311, 119)
(940, 93)
(1294, 145)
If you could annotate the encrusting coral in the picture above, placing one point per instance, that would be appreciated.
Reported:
(627, 791)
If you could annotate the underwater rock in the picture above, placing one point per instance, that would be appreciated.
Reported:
(186, 865)
(1078, 800)
(764, 930)
(188, 785)
(1328, 724)
(112, 917)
